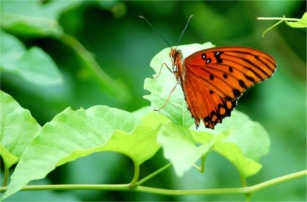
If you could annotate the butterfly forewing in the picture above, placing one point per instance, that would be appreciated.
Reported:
(214, 79)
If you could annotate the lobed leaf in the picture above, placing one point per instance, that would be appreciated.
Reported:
(250, 136)
(74, 134)
(240, 140)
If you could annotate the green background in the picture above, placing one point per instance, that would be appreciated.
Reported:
(123, 45)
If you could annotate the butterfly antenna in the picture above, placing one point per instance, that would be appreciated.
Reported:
(142, 17)
(186, 26)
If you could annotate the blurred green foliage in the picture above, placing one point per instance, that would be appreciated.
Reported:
(102, 51)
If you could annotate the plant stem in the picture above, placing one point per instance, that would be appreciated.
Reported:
(277, 18)
(5, 174)
(135, 176)
(244, 184)
(202, 161)
(277, 180)
(126, 187)
(152, 174)
(114, 88)
(119, 187)
(268, 29)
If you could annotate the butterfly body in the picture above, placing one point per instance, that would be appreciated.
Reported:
(214, 79)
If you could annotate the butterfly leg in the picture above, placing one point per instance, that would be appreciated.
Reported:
(169, 96)
(164, 64)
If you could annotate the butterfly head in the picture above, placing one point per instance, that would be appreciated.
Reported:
(176, 58)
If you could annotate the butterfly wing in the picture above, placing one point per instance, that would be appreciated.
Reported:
(214, 79)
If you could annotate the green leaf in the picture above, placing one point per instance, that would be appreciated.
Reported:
(74, 134)
(33, 65)
(154, 119)
(144, 136)
(30, 26)
(240, 140)
(233, 153)
(161, 87)
(32, 18)
(180, 148)
(243, 142)
(140, 145)
(301, 23)
(18, 129)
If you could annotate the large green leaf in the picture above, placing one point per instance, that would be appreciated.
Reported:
(74, 134)
(240, 140)
(17, 129)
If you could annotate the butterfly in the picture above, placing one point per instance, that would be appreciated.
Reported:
(214, 79)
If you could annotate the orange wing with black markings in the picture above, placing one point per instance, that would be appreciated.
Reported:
(214, 79)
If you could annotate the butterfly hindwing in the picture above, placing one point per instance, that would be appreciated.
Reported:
(204, 104)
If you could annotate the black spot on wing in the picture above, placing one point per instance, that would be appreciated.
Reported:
(217, 56)
(236, 92)
(242, 84)
(217, 115)
(211, 77)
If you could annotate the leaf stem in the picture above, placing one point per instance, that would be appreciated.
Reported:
(278, 18)
(135, 176)
(268, 29)
(6, 174)
(153, 174)
(114, 88)
(244, 184)
(202, 165)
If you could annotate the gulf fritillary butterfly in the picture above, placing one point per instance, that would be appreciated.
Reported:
(214, 79)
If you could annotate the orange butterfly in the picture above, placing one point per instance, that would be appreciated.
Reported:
(214, 79)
